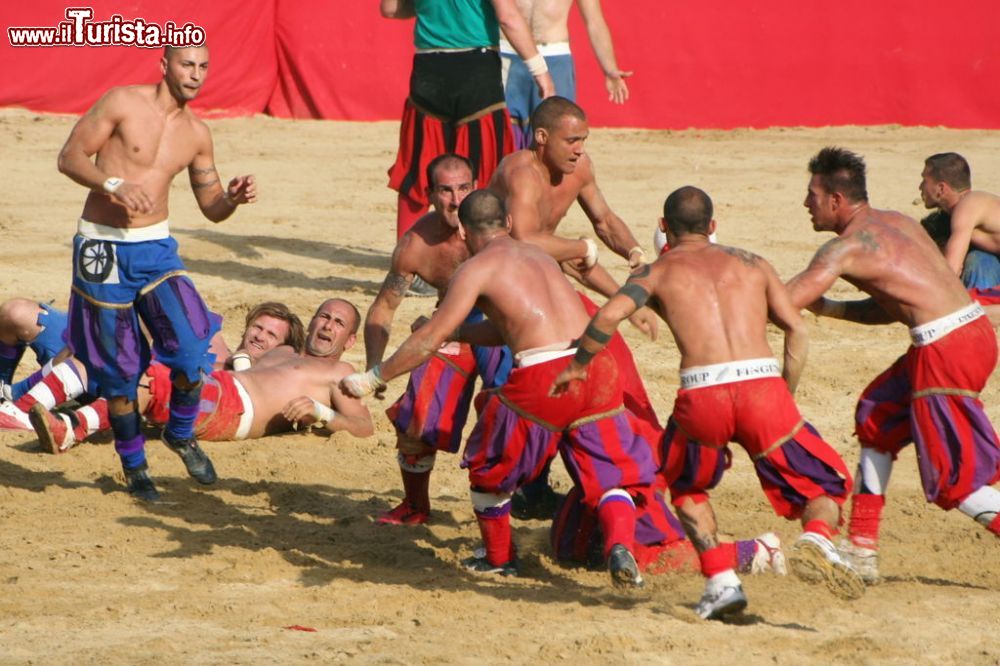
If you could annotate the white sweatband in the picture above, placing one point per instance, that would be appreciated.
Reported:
(112, 184)
(241, 361)
(536, 64)
(590, 258)
(324, 415)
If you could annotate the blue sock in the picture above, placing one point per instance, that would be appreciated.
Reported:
(184, 404)
(129, 442)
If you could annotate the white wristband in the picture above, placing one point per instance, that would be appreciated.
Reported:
(324, 415)
(241, 361)
(536, 64)
(111, 185)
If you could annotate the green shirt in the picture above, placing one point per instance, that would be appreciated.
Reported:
(455, 24)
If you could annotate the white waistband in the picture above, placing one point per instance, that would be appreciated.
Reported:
(95, 231)
(536, 355)
(550, 49)
(726, 373)
(937, 329)
(246, 418)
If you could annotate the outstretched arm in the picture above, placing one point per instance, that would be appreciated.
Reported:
(632, 296)
(604, 50)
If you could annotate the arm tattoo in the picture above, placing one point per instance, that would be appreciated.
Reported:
(748, 258)
(596, 334)
(638, 294)
(396, 284)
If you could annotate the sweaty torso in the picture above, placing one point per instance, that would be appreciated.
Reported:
(554, 196)
(282, 375)
(433, 250)
(714, 299)
(889, 256)
(548, 19)
(527, 296)
(148, 147)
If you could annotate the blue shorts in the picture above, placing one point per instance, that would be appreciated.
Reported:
(49, 341)
(521, 91)
(114, 285)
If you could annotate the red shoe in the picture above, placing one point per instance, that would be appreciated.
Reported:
(404, 514)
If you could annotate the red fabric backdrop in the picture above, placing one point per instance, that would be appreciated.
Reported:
(714, 63)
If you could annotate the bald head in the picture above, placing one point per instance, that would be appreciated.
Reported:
(688, 210)
(482, 211)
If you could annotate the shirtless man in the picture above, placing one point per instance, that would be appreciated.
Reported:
(973, 246)
(717, 301)
(538, 185)
(430, 415)
(930, 396)
(268, 325)
(532, 308)
(285, 386)
(549, 23)
(125, 264)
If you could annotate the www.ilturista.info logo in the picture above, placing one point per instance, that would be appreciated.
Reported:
(81, 30)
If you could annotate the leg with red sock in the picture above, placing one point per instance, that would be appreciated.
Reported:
(616, 513)
(498, 555)
(415, 509)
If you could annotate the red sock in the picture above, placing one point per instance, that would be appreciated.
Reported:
(408, 211)
(718, 559)
(496, 534)
(866, 514)
(416, 487)
(617, 516)
(820, 527)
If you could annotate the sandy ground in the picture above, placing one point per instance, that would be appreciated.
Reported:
(286, 537)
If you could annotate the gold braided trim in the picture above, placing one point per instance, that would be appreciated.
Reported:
(461, 121)
(101, 304)
(523, 414)
(160, 280)
(965, 393)
(769, 450)
(595, 417)
(451, 364)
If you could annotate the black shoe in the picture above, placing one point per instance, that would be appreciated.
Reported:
(197, 462)
(140, 486)
(623, 568)
(536, 506)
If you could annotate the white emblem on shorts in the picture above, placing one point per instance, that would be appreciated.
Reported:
(97, 262)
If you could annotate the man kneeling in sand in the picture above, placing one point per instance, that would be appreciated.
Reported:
(284, 387)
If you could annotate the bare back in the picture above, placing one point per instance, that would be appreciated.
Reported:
(524, 293)
(889, 256)
(146, 146)
(715, 300)
(281, 375)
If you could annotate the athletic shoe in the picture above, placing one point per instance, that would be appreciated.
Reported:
(195, 459)
(54, 434)
(479, 564)
(404, 514)
(769, 556)
(540, 507)
(420, 288)
(864, 560)
(623, 568)
(814, 559)
(140, 486)
(720, 599)
(12, 418)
